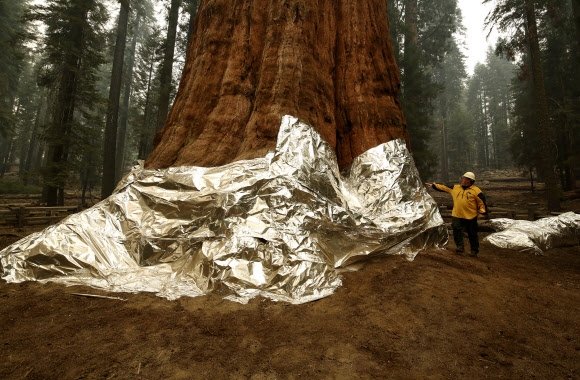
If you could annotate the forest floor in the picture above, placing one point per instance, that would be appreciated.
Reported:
(504, 314)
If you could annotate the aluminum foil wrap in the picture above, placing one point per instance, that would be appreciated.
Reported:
(278, 226)
(538, 236)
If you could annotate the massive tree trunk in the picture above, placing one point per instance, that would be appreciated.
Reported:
(327, 62)
(192, 7)
(547, 154)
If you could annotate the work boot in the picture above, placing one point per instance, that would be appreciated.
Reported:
(460, 250)
(473, 254)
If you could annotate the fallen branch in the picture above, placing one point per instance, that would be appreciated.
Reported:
(28, 372)
(98, 296)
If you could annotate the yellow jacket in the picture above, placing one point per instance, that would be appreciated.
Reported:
(467, 203)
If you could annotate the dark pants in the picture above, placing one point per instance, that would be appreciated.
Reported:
(465, 225)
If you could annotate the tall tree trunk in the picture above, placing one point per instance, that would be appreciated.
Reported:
(32, 147)
(165, 77)
(24, 143)
(110, 146)
(506, 117)
(547, 154)
(444, 155)
(576, 13)
(481, 130)
(484, 129)
(145, 144)
(55, 174)
(566, 141)
(41, 154)
(124, 111)
(327, 62)
(86, 177)
(411, 27)
(570, 145)
(6, 157)
(494, 142)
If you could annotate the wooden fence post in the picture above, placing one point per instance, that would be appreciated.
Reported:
(20, 217)
(532, 213)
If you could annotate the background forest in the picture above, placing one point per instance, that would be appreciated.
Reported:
(85, 85)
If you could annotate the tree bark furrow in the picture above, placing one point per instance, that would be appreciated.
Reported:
(329, 63)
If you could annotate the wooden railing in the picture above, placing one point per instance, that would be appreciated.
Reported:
(528, 213)
(26, 216)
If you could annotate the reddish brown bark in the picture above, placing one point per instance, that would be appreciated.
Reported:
(327, 62)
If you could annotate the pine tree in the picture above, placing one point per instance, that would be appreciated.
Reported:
(524, 141)
(73, 52)
(423, 32)
(497, 81)
(450, 77)
(520, 18)
(477, 105)
(13, 33)
(562, 74)
(146, 87)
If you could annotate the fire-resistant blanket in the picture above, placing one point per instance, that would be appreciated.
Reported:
(278, 226)
(538, 236)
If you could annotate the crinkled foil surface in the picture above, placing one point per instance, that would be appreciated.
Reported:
(538, 236)
(278, 226)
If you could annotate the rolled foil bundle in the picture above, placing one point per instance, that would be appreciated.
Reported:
(538, 236)
(278, 226)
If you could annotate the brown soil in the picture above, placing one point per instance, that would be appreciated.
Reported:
(504, 314)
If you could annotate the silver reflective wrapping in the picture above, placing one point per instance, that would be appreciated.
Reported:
(277, 226)
(537, 236)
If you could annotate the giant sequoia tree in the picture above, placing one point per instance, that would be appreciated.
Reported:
(328, 62)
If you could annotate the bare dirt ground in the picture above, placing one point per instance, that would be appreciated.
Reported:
(505, 314)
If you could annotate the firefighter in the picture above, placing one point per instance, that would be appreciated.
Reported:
(468, 206)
